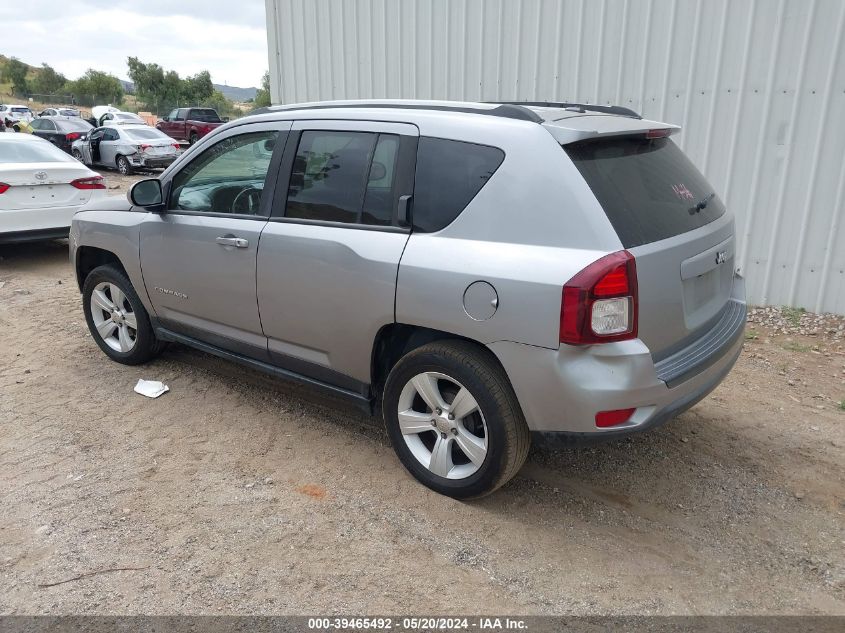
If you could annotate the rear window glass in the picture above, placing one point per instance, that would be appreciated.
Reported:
(32, 152)
(648, 188)
(206, 116)
(76, 124)
(144, 134)
(449, 175)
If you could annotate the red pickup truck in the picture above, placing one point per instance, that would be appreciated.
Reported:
(190, 124)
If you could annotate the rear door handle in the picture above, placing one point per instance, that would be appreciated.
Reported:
(237, 242)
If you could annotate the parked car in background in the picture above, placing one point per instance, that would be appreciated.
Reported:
(126, 148)
(482, 274)
(121, 118)
(190, 124)
(61, 131)
(41, 188)
(60, 112)
(97, 113)
(15, 113)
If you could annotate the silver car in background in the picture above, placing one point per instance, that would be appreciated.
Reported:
(126, 148)
(481, 274)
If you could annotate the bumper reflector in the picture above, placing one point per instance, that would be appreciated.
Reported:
(612, 418)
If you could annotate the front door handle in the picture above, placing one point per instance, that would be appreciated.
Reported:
(237, 242)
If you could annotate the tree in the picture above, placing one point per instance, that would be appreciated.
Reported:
(96, 87)
(47, 81)
(219, 102)
(262, 95)
(15, 72)
(198, 88)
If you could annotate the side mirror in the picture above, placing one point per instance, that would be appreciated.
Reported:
(147, 194)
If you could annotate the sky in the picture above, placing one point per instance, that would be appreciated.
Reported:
(226, 38)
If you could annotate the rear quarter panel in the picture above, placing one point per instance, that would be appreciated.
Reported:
(528, 231)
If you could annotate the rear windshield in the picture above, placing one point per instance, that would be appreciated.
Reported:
(21, 110)
(648, 188)
(142, 134)
(74, 124)
(32, 152)
(205, 115)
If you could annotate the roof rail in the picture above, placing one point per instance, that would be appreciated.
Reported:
(505, 110)
(581, 107)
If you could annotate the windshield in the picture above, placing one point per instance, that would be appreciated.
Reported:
(141, 134)
(206, 115)
(32, 152)
(22, 110)
(648, 188)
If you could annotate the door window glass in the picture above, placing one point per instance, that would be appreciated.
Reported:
(180, 114)
(173, 114)
(344, 177)
(228, 177)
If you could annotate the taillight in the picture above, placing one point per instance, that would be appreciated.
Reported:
(4, 187)
(94, 182)
(599, 304)
(72, 136)
(144, 148)
(177, 146)
(605, 419)
(661, 133)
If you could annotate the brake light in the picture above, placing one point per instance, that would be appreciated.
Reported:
(144, 148)
(94, 182)
(177, 146)
(599, 304)
(605, 419)
(72, 136)
(661, 133)
(4, 187)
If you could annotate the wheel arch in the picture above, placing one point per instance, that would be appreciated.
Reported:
(394, 340)
(90, 257)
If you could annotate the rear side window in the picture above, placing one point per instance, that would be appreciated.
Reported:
(343, 176)
(648, 188)
(449, 175)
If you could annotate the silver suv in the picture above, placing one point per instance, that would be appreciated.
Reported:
(482, 273)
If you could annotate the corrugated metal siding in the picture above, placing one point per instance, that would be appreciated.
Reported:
(758, 86)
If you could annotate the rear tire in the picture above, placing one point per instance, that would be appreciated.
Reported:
(123, 166)
(487, 420)
(114, 333)
(193, 138)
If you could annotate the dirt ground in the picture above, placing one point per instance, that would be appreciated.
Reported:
(236, 493)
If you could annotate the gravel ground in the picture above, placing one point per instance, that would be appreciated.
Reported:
(235, 493)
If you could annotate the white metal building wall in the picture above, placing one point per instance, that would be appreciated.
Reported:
(758, 86)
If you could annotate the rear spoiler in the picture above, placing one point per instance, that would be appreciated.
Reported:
(574, 129)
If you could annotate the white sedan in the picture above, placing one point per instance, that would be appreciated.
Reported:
(41, 188)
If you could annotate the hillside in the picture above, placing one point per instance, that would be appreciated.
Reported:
(232, 93)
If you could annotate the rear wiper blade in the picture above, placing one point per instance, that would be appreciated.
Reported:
(702, 204)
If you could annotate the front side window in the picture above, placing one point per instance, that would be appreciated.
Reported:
(173, 114)
(342, 176)
(228, 177)
(180, 114)
(449, 175)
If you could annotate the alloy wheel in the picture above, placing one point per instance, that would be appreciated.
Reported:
(442, 425)
(114, 317)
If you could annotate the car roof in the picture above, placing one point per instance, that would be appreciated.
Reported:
(567, 122)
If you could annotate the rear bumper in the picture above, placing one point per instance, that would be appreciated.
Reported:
(150, 162)
(560, 391)
(22, 221)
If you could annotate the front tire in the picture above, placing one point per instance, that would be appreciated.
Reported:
(116, 317)
(77, 155)
(454, 420)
